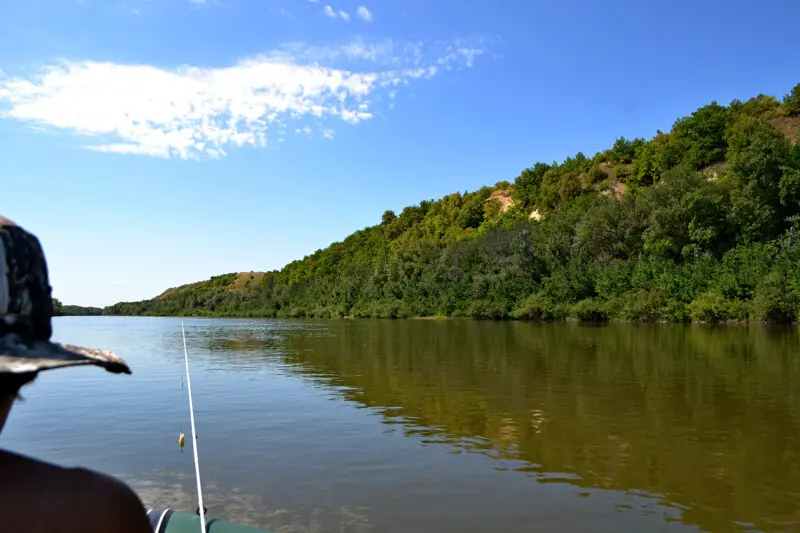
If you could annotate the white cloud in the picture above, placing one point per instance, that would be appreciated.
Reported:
(192, 112)
(386, 52)
(459, 53)
(365, 14)
(329, 11)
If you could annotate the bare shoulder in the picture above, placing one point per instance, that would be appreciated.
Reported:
(42, 497)
(110, 505)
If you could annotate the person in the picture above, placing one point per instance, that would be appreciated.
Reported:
(36, 496)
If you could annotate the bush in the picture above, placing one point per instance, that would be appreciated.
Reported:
(596, 174)
(298, 312)
(675, 311)
(791, 102)
(486, 310)
(773, 302)
(539, 307)
(643, 305)
(710, 307)
(319, 312)
(590, 310)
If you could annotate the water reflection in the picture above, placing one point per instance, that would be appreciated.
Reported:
(702, 419)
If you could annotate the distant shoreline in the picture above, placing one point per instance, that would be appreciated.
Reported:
(570, 320)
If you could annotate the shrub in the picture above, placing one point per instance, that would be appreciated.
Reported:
(590, 310)
(486, 310)
(710, 307)
(643, 305)
(773, 302)
(539, 307)
(791, 102)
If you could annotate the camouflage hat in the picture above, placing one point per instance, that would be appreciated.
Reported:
(26, 310)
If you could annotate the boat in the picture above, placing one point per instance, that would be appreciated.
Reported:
(172, 521)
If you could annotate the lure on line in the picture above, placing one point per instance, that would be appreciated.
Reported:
(181, 439)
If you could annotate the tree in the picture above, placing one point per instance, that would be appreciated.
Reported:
(701, 137)
(388, 217)
(646, 164)
(527, 185)
(687, 214)
(611, 230)
(791, 102)
(758, 106)
(596, 174)
(757, 157)
(680, 244)
(623, 150)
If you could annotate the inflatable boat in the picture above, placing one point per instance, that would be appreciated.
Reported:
(171, 521)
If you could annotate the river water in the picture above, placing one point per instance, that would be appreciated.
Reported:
(436, 426)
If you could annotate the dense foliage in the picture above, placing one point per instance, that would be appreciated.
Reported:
(696, 224)
(60, 309)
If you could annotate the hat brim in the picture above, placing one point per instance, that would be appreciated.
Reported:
(21, 356)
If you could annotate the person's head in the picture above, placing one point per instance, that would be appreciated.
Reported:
(26, 311)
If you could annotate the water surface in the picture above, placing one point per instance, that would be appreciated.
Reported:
(431, 426)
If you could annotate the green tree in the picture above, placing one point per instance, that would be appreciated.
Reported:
(687, 215)
(682, 244)
(701, 137)
(758, 156)
(624, 150)
(527, 185)
(57, 307)
(388, 217)
(791, 102)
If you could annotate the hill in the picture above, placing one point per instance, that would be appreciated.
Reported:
(60, 309)
(696, 224)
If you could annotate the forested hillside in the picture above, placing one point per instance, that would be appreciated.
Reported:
(60, 309)
(696, 224)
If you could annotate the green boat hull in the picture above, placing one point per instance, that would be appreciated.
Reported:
(171, 521)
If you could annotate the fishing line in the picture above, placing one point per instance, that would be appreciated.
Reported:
(180, 423)
(201, 510)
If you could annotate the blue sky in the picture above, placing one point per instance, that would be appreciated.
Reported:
(150, 143)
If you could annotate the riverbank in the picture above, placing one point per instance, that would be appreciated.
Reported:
(433, 318)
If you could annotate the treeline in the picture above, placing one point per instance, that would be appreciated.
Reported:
(60, 309)
(696, 224)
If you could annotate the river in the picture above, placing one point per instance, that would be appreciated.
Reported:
(436, 426)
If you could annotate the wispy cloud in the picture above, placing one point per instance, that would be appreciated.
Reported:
(191, 112)
(459, 53)
(364, 13)
(333, 13)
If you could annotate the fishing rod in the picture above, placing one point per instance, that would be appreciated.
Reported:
(200, 510)
(172, 521)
